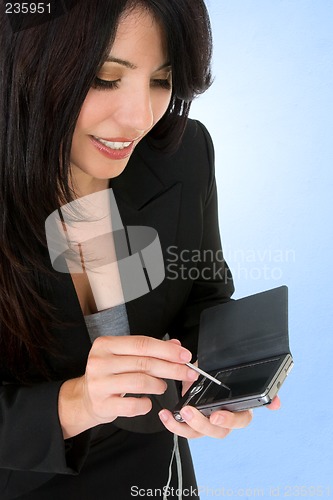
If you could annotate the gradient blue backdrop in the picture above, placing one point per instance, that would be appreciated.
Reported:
(270, 113)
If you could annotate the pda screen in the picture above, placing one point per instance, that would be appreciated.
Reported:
(241, 381)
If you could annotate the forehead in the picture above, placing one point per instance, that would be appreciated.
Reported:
(139, 33)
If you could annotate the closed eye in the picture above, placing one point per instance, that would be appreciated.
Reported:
(163, 83)
(101, 84)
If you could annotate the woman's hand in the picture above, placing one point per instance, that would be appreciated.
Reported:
(117, 366)
(218, 425)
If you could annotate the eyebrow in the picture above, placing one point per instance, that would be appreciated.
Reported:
(130, 65)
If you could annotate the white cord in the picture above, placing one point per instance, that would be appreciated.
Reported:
(179, 471)
(176, 452)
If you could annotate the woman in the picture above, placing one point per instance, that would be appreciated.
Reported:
(98, 98)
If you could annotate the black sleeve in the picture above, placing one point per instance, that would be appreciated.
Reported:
(215, 284)
(31, 437)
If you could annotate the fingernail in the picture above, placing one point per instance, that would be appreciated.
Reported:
(192, 375)
(217, 419)
(175, 341)
(163, 416)
(185, 355)
(187, 414)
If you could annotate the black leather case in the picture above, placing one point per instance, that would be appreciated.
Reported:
(244, 330)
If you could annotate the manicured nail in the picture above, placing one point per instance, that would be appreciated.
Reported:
(163, 416)
(175, 341)
(185, 355)
(192, 375)
(187, 414)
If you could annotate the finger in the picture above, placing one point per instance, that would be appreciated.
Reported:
(141, 383)
(181, 429)
(140, 345)
(117, 406)
(143, 364)
(275, 404)
(175, 341)
(201, 424)
(132, 407)
(230, 420)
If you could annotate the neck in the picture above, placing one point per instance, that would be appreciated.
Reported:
(83, 184)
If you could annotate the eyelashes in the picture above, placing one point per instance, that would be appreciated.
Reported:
(164, 84)
(100, 84)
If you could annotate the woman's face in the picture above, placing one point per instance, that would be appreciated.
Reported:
(131, 93)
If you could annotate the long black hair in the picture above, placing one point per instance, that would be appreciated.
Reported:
(46, 72)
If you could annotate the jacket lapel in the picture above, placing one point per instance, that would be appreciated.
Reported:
(145, 199)
(72, 338)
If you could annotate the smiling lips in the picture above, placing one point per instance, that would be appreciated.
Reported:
(114, 144)
(115, 149)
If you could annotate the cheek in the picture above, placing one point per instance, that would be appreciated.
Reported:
(91, 112)
(161, 103)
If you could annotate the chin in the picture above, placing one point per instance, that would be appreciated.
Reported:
(118, 169)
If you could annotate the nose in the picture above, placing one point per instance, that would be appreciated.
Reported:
(135, 110)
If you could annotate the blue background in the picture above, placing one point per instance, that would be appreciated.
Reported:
(270, 113)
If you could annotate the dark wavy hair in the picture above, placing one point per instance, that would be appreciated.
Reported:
(45, 74)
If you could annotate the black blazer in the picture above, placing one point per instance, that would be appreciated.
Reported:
(176, 195)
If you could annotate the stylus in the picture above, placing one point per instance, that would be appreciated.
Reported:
(205, 374)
